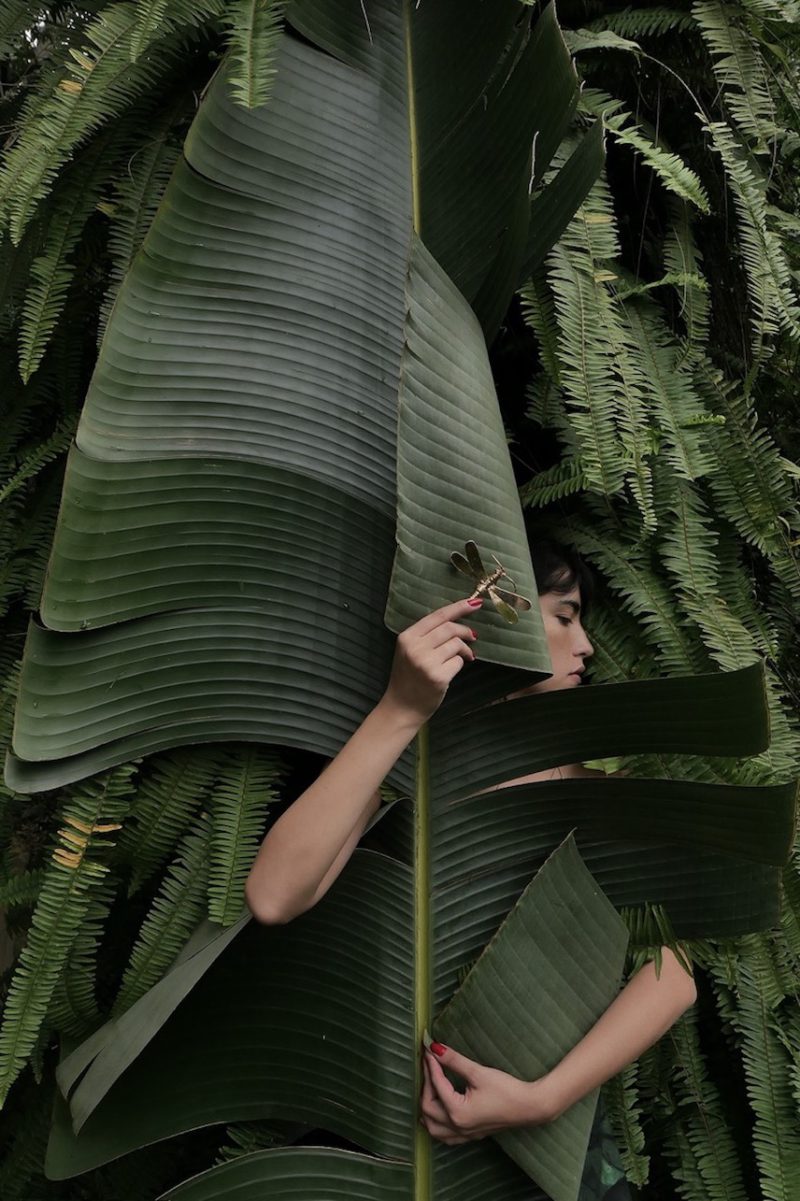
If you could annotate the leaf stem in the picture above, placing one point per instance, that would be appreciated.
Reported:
(423, 1184)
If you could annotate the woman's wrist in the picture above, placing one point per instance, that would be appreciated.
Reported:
(541, 1102)
(398, 715)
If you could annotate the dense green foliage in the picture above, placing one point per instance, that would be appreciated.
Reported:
(646, 374)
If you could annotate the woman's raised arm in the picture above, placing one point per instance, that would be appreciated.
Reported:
(309, 844)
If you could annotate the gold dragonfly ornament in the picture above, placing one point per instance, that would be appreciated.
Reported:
(470, 563)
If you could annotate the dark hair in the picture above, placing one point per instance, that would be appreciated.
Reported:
(558, 568)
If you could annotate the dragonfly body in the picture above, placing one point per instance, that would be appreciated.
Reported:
(485, 582)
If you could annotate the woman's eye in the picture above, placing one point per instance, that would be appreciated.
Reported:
(565, 620)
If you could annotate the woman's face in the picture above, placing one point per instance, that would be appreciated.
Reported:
(566, 640)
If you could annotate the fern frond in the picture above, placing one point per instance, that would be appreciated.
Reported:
(675, 405)
(678, 1153)
(254, 28)
(769, 278)
(21, 889)
(740, 69)
(677, 279)
(538, 311)
(683, 261)
(620, 651)
(750, 485)
(52, 448)
(790, 907)
(239, 806)
(673, 172)
(650, 932)
(27, 522)
(644, 22)
(709, 1140)
(545, 402)
(178, 907)
(137, 196)
(74, 1008)
(562, 479)
(644, 592)
(35, 538)
(171, 790)
(784, 10)
(149, 14)
(581, 40)
(596, 372)
(676, 176)
(95, 809)
(776, 1138)
(95, 85)
(738, 586)
(688, 541)
(624, 1108)
(15, 265)
(587, 364)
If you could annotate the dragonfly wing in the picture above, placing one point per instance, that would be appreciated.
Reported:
(505, 610)
(513, 599)
(458, 560)
(475, 560)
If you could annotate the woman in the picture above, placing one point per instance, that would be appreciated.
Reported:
(310, 843)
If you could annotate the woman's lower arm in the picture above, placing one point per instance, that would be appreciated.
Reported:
(304, 843)
(638, 1017)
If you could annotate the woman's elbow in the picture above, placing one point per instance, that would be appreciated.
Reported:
(266, 910)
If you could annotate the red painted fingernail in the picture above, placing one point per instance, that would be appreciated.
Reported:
(438, 1048)
(475, 601)
(474, 633)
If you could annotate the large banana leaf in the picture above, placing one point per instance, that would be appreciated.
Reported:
(293, 383)
(319, 1021)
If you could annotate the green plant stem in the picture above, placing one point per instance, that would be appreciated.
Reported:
(423, 1186)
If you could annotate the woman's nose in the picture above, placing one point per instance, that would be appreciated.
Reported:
(584, 646)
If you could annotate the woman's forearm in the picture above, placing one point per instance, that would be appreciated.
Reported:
(638, 1017)
(308, 838)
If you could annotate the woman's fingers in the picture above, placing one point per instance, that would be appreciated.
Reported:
(443, 1133)
(454, 646)
(456, 611)
(447, 630)
(434, 1117)
(423, 668)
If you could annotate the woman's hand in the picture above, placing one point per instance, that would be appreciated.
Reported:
(427, 655)
(494, 1100)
